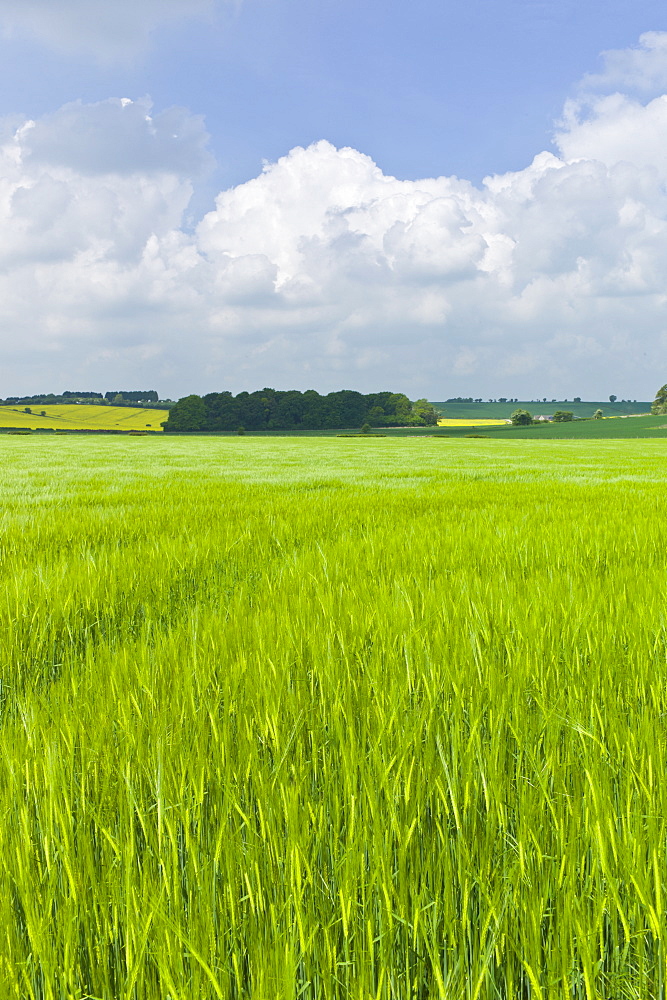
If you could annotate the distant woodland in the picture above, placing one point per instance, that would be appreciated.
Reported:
(271, 409)
(121, 397)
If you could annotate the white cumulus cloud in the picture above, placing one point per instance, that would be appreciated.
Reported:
(325, 272)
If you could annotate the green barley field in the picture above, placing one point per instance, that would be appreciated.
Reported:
(333, 719)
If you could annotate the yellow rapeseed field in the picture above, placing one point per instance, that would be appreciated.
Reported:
(469, 423)
(76, 416)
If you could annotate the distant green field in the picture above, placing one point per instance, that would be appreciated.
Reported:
(333, 719)
(466, 411)
(615, 427)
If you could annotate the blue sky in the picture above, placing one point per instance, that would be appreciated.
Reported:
(224, 245)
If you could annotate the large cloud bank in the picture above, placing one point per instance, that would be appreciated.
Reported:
(325, 272)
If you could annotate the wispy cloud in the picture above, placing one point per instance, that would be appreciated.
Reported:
(107, 30)
(642, 68)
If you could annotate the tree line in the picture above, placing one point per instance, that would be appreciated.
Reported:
(272, 409)
(120, 397)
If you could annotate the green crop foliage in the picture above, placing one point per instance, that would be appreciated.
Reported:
(332, 719)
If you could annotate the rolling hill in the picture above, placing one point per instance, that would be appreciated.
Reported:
(81, 417)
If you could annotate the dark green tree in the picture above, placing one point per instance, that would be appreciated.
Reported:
(376, 417)
(659, 404)
(398, 408)
(521, 418)
(252, 410)
(222, 411)
(289, 411)
(424, 413)
(346, 408)
(314, 410)
(561, 416)
(188, 414)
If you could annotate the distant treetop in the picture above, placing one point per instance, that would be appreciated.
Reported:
(271, 409)
(133, 395)
(123, 397)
